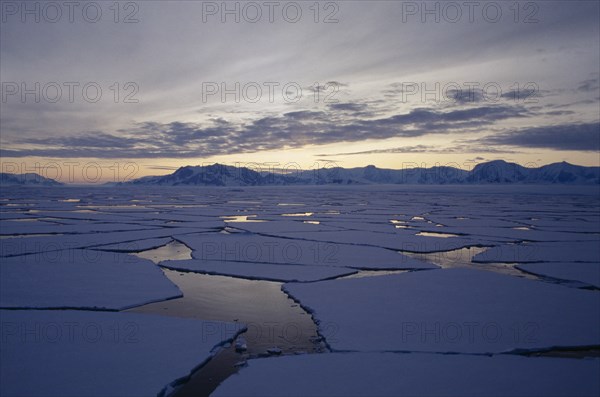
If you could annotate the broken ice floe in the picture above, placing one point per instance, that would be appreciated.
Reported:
(82, 353)
(264, 249)
(259, 271)
(81, 279)
(417, 374)
(450, 310)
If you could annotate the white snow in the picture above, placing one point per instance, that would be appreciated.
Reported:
(402, 239)
(588, 273)
(40, 244)
(450, 310)
(370, 322)
(417, 374)
(82, 353)
(136, 246)
(82, 279)
(260, 271)
(263, 249)
(572, 251)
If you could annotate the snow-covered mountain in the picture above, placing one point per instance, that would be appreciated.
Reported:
(493, 172)
(26, 179)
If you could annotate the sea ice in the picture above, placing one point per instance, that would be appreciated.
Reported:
(259, 271)
(40, 244)
(449, 310)
(246, 247)
(82, 279)
(573, 251)
(588, 273)
(417, 374)
(82, 353)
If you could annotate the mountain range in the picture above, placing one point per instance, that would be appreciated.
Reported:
(493, 172)
(30, 178)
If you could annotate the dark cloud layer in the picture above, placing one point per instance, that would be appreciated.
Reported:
(290, 130)
(583, 137)
(422, 149)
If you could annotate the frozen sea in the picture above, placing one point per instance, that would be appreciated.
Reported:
(291, 290)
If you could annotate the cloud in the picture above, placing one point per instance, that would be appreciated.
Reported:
(460, 148)
(350, 107)
(583, 137)
(589, 85)
(465, 96)
(162, 167)
(559, 113)
(290, 130)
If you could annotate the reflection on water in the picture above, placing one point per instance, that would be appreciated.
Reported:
(29, 235)
(173, 251)
(436, 234)
(299, 214)
(398, 224)
(240, 218)
(463, 258)
(373, 273)
(272, 319)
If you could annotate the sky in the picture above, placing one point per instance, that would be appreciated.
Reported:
(108, 91)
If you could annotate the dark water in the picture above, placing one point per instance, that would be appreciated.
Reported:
(463, 258)
(273, 320)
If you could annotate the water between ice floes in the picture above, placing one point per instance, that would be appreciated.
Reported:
(273, 320)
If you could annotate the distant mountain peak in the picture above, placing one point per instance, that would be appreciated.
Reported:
(492, 172)
(30, 179)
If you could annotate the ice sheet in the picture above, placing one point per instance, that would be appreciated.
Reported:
(588, 273)
(583, 251)
(82, 279)
(420, 374)
(246, 247)
(80, 353)
(450, 310)
(260, 271)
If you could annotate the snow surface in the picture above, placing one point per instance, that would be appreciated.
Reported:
(402, 240)
(264, 249)
(573, 251)
(259, 271)
(35, 244)
(82, 279)
(450, 310)
(550, 231)
(588, 273)
(84, 353)
(417, 374)
(136, 246)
